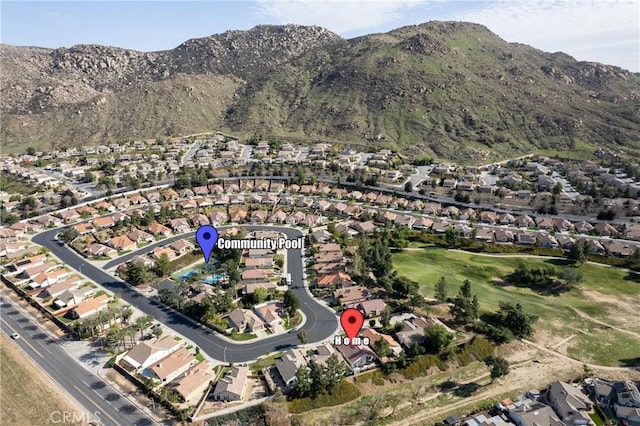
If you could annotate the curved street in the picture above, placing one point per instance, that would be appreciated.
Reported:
(321, 322)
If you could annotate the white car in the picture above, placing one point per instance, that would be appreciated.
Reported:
(15, 336)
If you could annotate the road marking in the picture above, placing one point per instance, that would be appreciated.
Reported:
(96, 405)
(21, 338)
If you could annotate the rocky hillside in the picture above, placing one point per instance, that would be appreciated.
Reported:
(446, 89)
(90, 92)
(454, 90)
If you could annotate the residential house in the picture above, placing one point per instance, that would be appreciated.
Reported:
(357, 356)
(233, 385)
(256, 274)
(627, 394)
(104, 222)
(488, 217)
(219, 217)
(244, 320)
(180, 225)
(20, 265)
(193, 382)
(268, 312)
(159, 230)
(569, 403)
(365, 227)
(370, 308)
(122, 243)
(334, 279)
(288, 365)
(525, 221)
(606, 230)
(171, 366)
(159, 251)
(182, 246)
(139, 236)
(564, 241)
(603, 392)
(535, 414)
(90, 307)
(583, 227)
(484, 234)
(373, 335)
(277, 217)
(349, 295)
(200, 220)
(547, 240)
(148, 352)
(69, 215)
(546, 223)
(97, 249)
(525, 238)
(54, 290)
(413, 331)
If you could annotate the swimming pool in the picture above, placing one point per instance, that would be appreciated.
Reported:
(208, 279)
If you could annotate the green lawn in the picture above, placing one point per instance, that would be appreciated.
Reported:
(556, 314)
(243, 336)
(255, 367)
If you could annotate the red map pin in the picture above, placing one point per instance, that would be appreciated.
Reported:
(351, 321)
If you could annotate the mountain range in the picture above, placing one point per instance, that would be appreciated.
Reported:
(446, 89)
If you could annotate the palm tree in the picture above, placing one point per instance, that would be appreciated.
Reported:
(140, 324)
(125, 313)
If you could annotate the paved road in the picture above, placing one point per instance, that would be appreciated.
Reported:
(101, 401)
(321, 321)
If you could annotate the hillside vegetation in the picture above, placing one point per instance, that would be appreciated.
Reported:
(447, 89)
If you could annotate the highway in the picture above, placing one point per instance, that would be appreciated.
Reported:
(321, 322)
(103, 404)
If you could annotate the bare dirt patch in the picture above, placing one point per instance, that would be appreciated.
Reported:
(28, 396)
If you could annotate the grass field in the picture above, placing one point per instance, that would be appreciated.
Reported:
(608, 295)
(27, 397)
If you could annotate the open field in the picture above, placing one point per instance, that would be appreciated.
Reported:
(27, 395)
(603, 308)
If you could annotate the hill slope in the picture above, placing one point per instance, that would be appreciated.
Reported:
(97, 93)
(449, 89)
(454, 90)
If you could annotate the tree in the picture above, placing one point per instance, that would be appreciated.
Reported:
(163, 265)
(382, 348)
(335, 370)
(499, 366)
(319, 382)
(578, 252)
(385, 317)
(302, 386)
(571, 276)
(441, 290)
(408, 187)
(259, 295)
(303, 336)
(437, 337)
(31, 151)
(515, 319)
(69, 234)
(451, 235)
(125, 313)
(157, 332)
(465, 306)
(291, 301)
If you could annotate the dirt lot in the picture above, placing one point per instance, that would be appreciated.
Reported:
(27, 395)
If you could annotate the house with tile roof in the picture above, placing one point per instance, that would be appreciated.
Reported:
(232, 387)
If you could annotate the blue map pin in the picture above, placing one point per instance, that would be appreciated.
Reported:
(206, 236)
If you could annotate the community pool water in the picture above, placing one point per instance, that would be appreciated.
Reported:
(208, 279)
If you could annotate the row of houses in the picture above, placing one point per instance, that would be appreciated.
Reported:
(168, 363)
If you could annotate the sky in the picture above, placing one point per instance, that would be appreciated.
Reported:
(606, 31)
